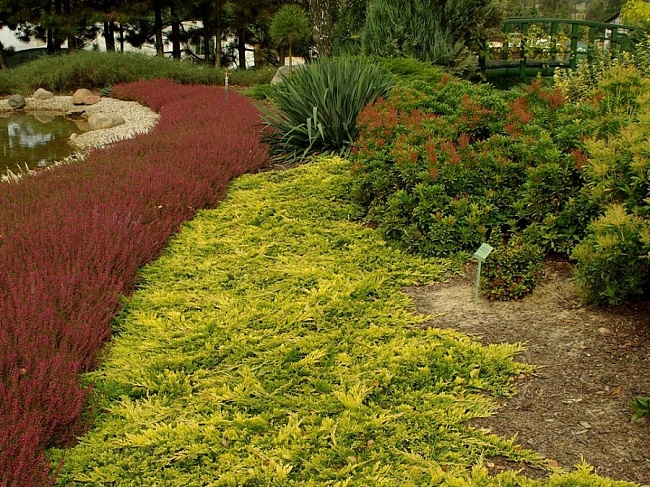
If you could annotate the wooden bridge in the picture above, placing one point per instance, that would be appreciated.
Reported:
(529, 46)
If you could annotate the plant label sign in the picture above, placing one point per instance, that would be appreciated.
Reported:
(483, 251)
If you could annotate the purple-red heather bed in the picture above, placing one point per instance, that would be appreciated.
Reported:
(71, 241)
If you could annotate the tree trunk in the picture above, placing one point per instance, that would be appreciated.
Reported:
(320, 12)
(218, 32)
(50, 41)
(69, 26)
(109, 36)
(281, 55)
(206, 37)
(176, 32)
(3, 59)
(160, 49)
(121, 38)
(241, 46)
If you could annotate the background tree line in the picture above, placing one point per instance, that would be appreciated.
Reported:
(78, 22)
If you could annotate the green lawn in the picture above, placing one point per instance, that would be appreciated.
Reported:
(271, 346)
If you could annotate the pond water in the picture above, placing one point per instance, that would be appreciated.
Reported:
(35, 140)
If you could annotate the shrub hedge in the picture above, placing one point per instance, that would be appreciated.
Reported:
(71, 241)
(441, 166)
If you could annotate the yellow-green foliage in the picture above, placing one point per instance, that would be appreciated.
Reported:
(635, 12)
(271, 346)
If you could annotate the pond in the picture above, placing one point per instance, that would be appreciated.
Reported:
(35, 140)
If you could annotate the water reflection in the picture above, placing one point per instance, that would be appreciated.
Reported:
(34, 140)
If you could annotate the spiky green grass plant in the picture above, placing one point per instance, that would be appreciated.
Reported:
(271, 346)
(317, 107)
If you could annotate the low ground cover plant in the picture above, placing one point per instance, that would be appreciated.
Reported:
(98, 70)
(271, 345)
(71, 241)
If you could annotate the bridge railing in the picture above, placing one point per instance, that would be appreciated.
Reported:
(528, 46)
(532, 45)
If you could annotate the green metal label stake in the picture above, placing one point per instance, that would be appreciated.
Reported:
(481, 254)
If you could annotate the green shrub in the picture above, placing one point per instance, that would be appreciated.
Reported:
(252, 76)
(513, 269)
(613, 259)
(409, 70)
(317, 106)
(440, 35)
(260, 92)
(440, 165)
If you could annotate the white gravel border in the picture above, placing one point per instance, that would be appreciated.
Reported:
(138, 120)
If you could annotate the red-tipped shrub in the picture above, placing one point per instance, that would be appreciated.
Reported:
(71, 241)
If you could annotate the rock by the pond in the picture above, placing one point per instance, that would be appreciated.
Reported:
(43, 117)
(102, 120)
(91, 100)
(283, 71)
(17, 101)
(79, 95)
(42, 94)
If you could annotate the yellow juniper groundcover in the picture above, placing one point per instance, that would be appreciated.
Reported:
(271, 345)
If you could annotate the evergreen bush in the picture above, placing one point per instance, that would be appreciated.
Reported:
(440, 35)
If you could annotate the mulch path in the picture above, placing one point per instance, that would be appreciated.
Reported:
(590, 363)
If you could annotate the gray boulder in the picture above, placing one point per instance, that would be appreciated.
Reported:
(79, 95)
(17, 102)
(102, 120)
(92, 99)
(283, 72)
(42, 94)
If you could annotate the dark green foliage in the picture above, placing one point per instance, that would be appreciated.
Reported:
(318, 106)
(290, 28)
(415, 28)
(260, 92)
(440, 165)
(513, 269)
(409, 70)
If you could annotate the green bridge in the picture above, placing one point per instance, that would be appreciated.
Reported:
(528, 46)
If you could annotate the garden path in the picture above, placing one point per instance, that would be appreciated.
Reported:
(591, 362)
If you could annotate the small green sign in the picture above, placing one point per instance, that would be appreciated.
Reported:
(483, 251)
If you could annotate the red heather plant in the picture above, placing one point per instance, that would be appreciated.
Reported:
(71, 241)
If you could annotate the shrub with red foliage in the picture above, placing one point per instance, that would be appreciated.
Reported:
(71, 241)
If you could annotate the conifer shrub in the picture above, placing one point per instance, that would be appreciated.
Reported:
(71, 241)
(439, 35)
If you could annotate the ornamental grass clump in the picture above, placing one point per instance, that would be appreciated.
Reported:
(317, 107)
(71, 241)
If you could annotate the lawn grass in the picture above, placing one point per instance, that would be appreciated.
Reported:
(271, 345)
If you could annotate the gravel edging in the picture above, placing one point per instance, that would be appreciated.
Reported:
(138, 119)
